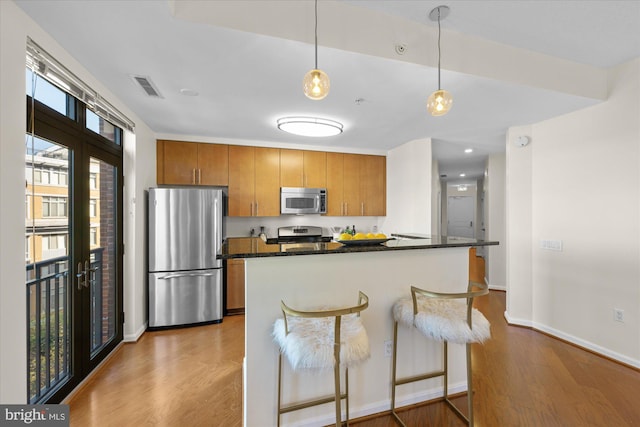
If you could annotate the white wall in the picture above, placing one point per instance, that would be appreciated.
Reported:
(578, 181)
(15, 26)
(436, 198)
(409, 188)
(494, 205)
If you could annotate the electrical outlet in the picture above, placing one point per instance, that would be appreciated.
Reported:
(618, 315)
(388, 348)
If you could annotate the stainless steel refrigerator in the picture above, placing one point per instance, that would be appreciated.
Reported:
(184, 236)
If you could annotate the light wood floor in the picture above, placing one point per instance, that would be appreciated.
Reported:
(193, 377)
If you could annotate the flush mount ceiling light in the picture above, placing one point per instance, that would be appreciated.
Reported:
(440, 101)
(310, 126)
(316, 82)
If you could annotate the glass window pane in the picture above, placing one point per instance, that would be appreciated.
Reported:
(102, 127)
(47, 93)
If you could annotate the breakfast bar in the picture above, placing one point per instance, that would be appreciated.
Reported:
(309, 275)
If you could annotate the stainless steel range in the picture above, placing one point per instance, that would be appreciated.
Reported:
(299, 234)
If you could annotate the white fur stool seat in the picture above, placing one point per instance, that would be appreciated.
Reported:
(309, 343)
(442, 319)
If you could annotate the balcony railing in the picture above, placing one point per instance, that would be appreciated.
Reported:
(49, 321)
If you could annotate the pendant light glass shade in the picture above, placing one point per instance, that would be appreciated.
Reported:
(439, 103)
(316, 84)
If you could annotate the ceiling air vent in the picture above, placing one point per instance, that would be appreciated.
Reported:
(147, 86)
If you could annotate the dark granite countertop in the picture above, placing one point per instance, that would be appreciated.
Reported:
(254, 247)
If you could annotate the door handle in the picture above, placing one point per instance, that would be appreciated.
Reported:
(87, 274)
(79, 276)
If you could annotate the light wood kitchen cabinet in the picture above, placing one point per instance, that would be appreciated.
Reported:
(302, 168)
(235, 286)
(356, 185)
(373, 185)
(192, 163)
(254, 181)
(335, 184)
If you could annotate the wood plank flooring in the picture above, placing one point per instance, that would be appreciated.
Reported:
(193, 377)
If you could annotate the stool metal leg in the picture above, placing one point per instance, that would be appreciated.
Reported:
(279, 386)
(394, 373)
(469, 386)
(336, 371)
(346, 387)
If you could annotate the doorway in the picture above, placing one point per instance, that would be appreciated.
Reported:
(73, 171)
(460, 216)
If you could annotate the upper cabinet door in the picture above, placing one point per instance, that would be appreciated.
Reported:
(179, 162)
(213, 164)
(315, 169)
(351, 188)
(241, 180)
(267, 184)
(291, 168)
(373, 181)
(335, 184)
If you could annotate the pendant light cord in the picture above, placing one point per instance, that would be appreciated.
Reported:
(316, 33)
(438, 48)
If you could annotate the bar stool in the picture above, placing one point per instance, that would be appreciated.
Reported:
(441, 317)
(321, 340)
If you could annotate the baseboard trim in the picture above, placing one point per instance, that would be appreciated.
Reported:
(136, 335)
(517, 322)
(578, 342)
(588, 346)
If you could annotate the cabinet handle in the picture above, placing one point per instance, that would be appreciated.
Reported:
(362, 208)
(346, 208)
(193, 176)
(199, 176)
(256, 208)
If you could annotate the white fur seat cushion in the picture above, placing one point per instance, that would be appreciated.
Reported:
(443, 319)
(309, 344)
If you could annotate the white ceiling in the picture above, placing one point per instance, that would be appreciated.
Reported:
(247, 75)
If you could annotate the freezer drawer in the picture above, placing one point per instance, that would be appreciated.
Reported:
(185, 297)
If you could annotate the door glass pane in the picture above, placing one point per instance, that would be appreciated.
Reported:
(47, 266)
(102, 243)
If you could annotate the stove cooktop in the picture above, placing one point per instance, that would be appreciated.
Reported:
(299, 234)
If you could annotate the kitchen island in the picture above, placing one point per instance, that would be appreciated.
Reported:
(306, 275)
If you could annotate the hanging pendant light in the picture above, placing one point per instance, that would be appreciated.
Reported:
(440, 101)
(316, 82)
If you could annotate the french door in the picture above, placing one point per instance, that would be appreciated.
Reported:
(74, 246)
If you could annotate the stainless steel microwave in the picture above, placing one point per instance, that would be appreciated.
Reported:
(299, 201)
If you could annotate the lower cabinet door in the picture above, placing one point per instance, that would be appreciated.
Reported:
(185, 297)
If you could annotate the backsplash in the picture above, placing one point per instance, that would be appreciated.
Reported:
(241, 226)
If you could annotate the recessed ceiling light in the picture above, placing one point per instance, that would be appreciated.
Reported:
(310, 126)
(462, 175)
(468, 150)
(188, 92)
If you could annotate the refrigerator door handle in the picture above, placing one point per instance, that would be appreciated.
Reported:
(173, 276)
